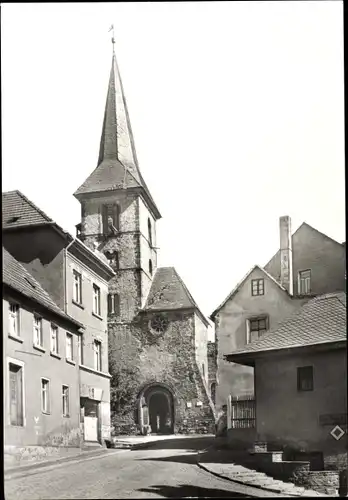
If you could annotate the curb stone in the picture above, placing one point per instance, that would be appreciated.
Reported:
(278, 487)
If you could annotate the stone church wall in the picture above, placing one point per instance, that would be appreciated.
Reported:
(170, 359)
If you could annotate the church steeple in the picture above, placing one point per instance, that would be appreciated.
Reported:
(117, 166)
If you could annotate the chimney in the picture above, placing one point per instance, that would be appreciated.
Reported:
(286, 277)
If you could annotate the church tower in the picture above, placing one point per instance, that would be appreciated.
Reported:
(157, 335)
(118, 213)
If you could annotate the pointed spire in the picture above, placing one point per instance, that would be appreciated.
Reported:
(117, 162)
(117, 141)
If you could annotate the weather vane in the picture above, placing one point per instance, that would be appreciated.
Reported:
(113, 37)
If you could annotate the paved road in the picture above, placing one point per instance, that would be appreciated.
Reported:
(166, 470)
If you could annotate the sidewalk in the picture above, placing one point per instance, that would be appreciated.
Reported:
(17, 463)
(237, 467)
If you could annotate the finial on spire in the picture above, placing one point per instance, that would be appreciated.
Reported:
(113, 37)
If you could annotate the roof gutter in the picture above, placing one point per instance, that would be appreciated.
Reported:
(248, 358)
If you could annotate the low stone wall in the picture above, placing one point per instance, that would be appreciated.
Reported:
(326, 482)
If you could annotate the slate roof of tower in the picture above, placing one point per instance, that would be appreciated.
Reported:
(117, 166)
(169, 292)
(16, 276)
(321, 320)
(18, 211)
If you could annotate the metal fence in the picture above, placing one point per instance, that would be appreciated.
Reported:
(242, 412)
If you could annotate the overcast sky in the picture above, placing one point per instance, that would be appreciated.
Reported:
(237, 110)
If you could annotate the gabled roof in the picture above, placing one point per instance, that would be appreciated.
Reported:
(301, 227)
(241, 283)
(117, 163)
(169, 292)
(18, 278)
(18, 211)
(322, 320)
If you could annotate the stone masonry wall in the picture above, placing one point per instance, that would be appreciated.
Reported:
(168, 359)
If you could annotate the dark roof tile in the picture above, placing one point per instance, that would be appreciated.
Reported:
(18, 211)
(169, 292)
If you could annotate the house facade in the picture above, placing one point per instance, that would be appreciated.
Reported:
(76, 278)
(157, 333)
(300, 372)
(41, 381)
(308, 263)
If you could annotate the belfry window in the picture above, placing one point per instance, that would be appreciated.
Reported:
(150, 266)
(111, 218)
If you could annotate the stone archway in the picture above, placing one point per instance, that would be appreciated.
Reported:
(156, 409)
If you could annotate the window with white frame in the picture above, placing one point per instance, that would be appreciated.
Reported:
(16, 394)
(54, 339)
(69, 347)
(37, 330)
(77, 292)
(256, 327)
(258, 287)
(45, 395)
(304, 282)
(65, 400)
(14, 326)
(97, 355)
(96, 299)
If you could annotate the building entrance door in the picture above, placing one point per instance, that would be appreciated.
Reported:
(160, 413)
(91, 420)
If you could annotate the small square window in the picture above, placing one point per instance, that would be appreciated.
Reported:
(257, 287)
(305, 378)
(256, 327)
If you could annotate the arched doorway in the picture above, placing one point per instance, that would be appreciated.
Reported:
(157, 409)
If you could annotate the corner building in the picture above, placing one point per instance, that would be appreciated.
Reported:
(153, 320)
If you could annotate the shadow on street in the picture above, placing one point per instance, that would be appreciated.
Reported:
(194, 444)
(188, 491)
(183, 459)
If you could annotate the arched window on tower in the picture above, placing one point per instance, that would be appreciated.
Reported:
(150, 266)
(149, 230)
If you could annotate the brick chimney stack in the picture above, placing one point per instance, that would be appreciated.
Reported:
(286, 276)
